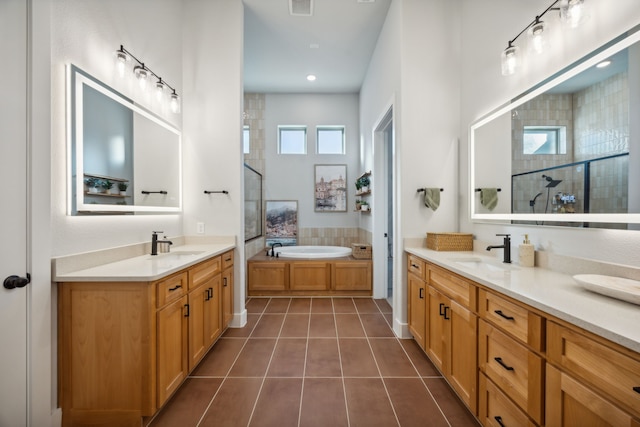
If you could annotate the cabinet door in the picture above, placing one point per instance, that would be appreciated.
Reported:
(417, 308)
(198, 339)
(267, 276)
(309, 276)
(462, 366)
(349, 276)
(172, 343)
(213, 311)
(437, 332)
(227, 297)
(569, 403)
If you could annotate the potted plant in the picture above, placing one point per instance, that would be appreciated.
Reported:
(122, 186)
(364, 206)
(92, 184)
(358, 204)
(364, 183)
(106, 185)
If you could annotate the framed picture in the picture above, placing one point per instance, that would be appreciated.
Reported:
(330, 188)
(281, 222)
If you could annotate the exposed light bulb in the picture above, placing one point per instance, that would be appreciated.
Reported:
(142, 74)
(510, 60)
(175, 102)
(572, 12)
(121, 59)
(537, 37)
(160, 89)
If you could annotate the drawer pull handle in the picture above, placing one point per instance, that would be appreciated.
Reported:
(499, 421)
(504, 365)
(442, 309)
(227, 260)
(225, 282)
(501, 314)
(414, 266)
(420, 293)
(636, 389)
(175, 288)
(445, 313)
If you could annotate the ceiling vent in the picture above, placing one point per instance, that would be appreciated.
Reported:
(301, 7)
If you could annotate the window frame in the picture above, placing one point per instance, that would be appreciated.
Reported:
(341, 128)
(282, 128)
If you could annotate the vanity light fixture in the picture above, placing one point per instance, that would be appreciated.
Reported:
(143, 75)
(571, 11)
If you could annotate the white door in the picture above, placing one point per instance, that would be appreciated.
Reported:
(13, 213)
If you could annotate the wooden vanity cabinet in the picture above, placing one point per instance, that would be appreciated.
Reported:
(589, 380)
(451, 331)
(227, 288)
(417, 298)
(125, 347)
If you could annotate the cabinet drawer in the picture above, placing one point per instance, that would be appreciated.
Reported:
(227, 260)
(495, 409)
(614, 373)
(514, 368)
(453, 286)
(416, 266)
(171, 288)
(204, 271)
(512, 318)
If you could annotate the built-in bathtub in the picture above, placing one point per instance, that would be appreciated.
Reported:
(312, 252)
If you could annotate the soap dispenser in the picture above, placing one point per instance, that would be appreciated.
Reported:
(526, 253)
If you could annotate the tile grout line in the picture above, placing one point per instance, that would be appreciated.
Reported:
(395, 414)
(344, 387)
(264, 377)
(304, 366)
(231, 367)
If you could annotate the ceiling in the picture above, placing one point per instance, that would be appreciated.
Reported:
(335, 43)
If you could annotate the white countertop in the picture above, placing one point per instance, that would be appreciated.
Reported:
(551, 292)
(146, 267)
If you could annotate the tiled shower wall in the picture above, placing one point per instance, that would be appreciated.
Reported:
(254, 110)
(597, 124)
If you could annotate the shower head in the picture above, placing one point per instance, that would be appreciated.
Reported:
(551, 182)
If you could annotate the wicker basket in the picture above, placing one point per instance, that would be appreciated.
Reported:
(450, 241)
(361, 251)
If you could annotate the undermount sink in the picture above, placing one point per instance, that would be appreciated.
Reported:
(174, 254)
(483, 265)
(615, 287)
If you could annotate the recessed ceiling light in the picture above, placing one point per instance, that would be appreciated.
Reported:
(311, 77)
(604, 64)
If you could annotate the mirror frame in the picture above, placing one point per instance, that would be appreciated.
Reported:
(76, 77)
(605, 51)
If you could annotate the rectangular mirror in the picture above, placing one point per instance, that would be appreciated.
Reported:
(122, 159)
(565, 152)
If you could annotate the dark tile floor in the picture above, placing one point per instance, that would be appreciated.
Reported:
(323, 362)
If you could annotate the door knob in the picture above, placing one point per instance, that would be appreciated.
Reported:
(13, 282)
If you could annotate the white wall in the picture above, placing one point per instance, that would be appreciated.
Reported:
(291, 176)
(486, 27)
(87, 33)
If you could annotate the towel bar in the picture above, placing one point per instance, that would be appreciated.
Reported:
(420, 190)
(219, 192)
(480, 189)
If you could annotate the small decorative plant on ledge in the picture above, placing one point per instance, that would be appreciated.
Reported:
(92, 184)
(122, 186)
(106, 186)
(364, 206)
(363, 182)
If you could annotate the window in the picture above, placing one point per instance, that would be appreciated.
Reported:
(544, 140)
(292, 139)
(330, 139)
(246, 141)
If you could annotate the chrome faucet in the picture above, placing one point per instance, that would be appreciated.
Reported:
(155, 241)
(272, 252)
(506, 245)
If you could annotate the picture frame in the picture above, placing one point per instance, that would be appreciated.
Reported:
(281, 222)
(330, 188)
